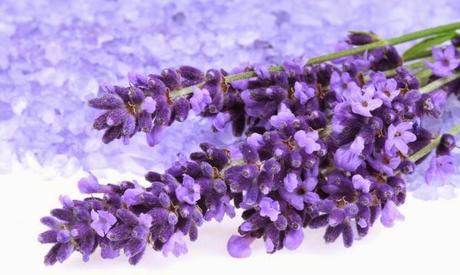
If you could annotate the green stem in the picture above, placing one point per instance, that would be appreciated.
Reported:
(412, 66)
(439, 83)
(427, 149)
(323, 58)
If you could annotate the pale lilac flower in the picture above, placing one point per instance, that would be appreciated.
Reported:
(307, 140)
(90, 185)
(343, 85)
(131, 196)
(445, 61)
(301, 194)
(441, 167)
(255, 140)
(145, 220)
(149, 105)
(390, 214)
(303, 92)
(361, 183)
(398, 137)
(239, 246)
(189, 191)
(262, 71)
(102, 221)
(387, 90)
(293, 239)
(294, 65)
(66, 201)
(384, 163)
(221, 120)
(200, 100)
(175, 245)
(348, 157)
(283, 118)
(291, 181)
(269, 208)
(363, 102)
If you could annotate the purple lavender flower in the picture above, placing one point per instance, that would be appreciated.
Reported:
(390, 214)
(283, 118)
(307, 140)
(398, 137)
(293, 239)
(300, 194)
(102, 221)
(132, 196)
(175, 245)
(363, 103)
(200, 100)
(361, 183)
(294, 65)
(262, 71)
(149, 105)
(255, 140)
(189, 191)
(269, 208)
(239, 246)
(348, 157)
(89, 185)
(127, 110)
(445, 61)
(384, 163)
(221, 120)
(343, 85)
(291, 181)
(439, 170)
(303, 92)
(387, 90)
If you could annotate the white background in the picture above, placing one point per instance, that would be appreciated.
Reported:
(427, 242)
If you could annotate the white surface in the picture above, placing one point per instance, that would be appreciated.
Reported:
(426, 243)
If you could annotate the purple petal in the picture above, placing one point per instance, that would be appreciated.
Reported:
(239, 246)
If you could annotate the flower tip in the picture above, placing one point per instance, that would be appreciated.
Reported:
(294, 239)
(239, 246)
(88, 185)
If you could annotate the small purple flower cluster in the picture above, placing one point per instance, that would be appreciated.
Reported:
(151, 103)
(325, 145)
(442, 164)
(146, 104)
(130, 217)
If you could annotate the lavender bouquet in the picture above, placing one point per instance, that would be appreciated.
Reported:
(322, 143)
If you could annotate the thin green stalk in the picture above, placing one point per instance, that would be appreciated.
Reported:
(427, 149)
(411, 67)
(439, 83)
(323, 58)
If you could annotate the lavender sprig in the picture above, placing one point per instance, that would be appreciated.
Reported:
(154, 102)
(129, 217)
